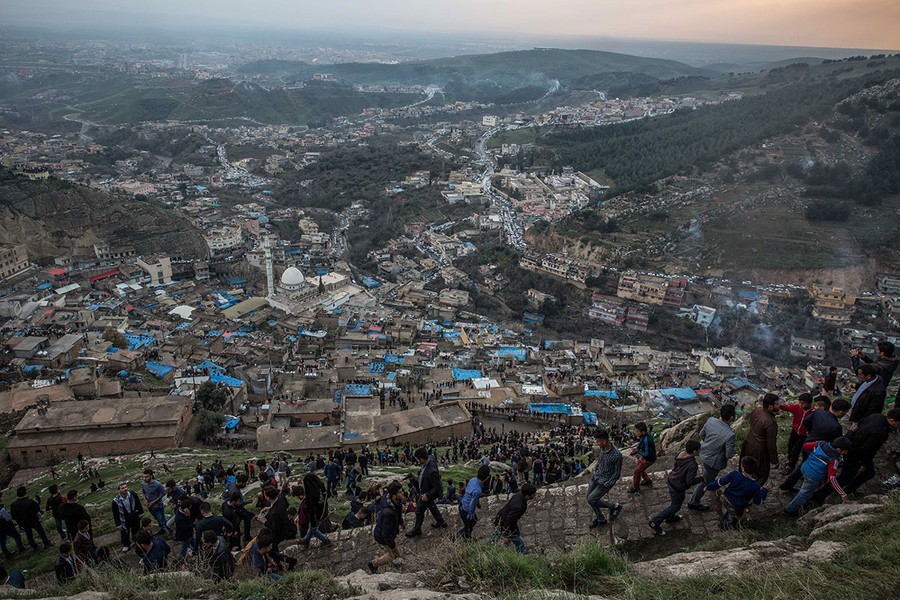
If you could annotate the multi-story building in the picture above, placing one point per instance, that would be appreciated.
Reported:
(832, 304)
(224, 240)
(652, 289)
(159, 268)
(104, 251)
(888, 284)
(814, 349)
(13, 260)
(609, 310)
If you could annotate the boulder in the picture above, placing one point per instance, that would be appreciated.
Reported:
(835, 517)
(757, 557)
(671, 440)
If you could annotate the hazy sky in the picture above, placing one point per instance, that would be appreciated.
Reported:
(832, 23)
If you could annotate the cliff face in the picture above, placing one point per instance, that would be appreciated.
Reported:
(54, 218)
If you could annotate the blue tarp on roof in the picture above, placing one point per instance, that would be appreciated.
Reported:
(236, 281)
(159, 369)
(232, 424)
(590, 418)
(337, 396)
(350, 436)
(394, 359)
(183, 326)
(392, 376)
(611, 394)
(452, 336)
(357, 389)
(222, 378)
(512, 351)
(679, 393)
(376, 367)
(32, 369)
(43, 286)
(210, 367)
(214, 333)
(466, 374)
(370, 283)
(554, 408)
(740, 382)
(135, 342)
(112, 350)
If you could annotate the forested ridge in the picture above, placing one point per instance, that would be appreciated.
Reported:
(638, 153)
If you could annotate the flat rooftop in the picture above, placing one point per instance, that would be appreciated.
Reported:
(98, 414)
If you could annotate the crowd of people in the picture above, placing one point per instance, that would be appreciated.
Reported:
(215, 525)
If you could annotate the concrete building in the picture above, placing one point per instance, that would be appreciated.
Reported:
(61, 431)
(888, 284)
(832, 305)
(651, 289)
(224, 240)
(158, 268)
(13, 260)
(814, 349)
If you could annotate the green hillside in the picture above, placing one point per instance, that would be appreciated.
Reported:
(224, 99)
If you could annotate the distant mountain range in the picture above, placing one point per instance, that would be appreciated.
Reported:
(509, 69)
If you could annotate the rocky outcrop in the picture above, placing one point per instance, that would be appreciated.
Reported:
(55, 218)
(671, 440)
(837, 517)
(760, 556)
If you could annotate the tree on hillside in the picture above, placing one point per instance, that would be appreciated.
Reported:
(211, 397)
(115, 337)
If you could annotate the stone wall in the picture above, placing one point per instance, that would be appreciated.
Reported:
(557, 519)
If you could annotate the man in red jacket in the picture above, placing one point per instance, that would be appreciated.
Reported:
(798, 411)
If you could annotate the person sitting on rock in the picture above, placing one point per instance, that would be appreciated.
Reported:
(741, 489)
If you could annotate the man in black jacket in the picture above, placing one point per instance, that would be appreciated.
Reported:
(220, 526)
(280, 524)
(53, 503)
(430, 489)
(387, 526)
(507, 520)
(71, 512)
(27, 513)
(869, 396)
(215, 553)
(885, 363)
(127, 511)
(859, 464)
(66, 567)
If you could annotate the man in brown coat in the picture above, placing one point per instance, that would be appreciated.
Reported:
(761, 438)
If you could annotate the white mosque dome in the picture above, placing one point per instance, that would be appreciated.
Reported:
(292, 277)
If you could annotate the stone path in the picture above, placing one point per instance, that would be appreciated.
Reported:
(557, 519)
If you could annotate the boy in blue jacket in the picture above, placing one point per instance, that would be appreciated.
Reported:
(823, 462)
(741, 489)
